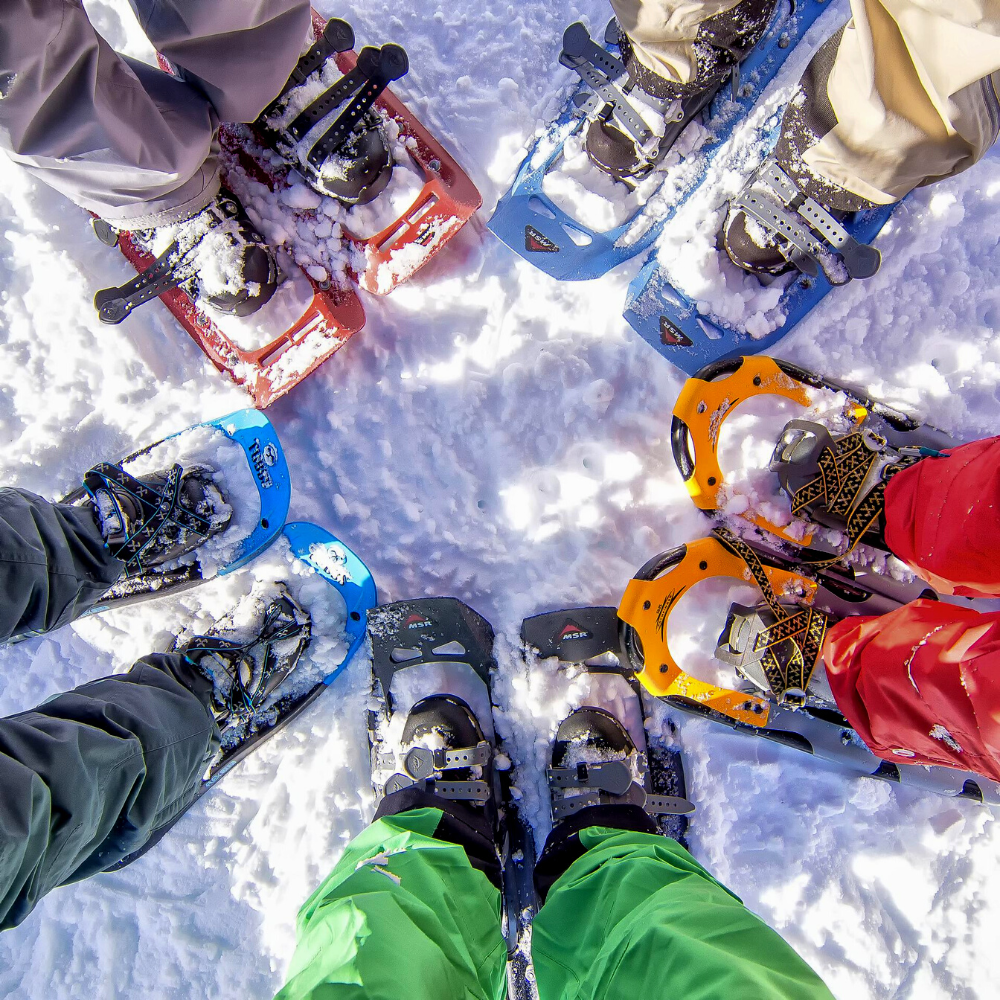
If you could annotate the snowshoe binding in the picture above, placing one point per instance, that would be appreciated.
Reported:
(776, 647)
(324, 125)
(602, 754)
(216, 257)
(154, 519)
(834, 476)
(247, 656)
(773, 226)
(619, 140)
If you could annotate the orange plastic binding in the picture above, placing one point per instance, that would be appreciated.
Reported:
(647, 604)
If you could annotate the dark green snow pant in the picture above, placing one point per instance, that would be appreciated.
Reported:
(53, 563)
(88, 776)
(404, 915)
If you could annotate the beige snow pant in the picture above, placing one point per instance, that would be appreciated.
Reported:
(913, 86)
(118, 137)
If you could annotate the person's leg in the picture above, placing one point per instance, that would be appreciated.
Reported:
(663, 34)
(904, 96)
(921, 684)
(239, 53)
(942, 517)
(89, 775)
(121, 139)
(412, 909)
(54, 564)
(629, 913)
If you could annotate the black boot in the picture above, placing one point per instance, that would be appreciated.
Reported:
(323, 124)
(155, 519)
(248, 656)
(723, 42)
(597, 778)
(765, 249)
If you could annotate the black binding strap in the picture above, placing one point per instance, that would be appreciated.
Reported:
(158, 508)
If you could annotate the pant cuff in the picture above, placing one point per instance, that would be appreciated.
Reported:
(563, 845)
(461, 824)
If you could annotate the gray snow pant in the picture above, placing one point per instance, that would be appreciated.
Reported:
(88, 776)
(120, 138)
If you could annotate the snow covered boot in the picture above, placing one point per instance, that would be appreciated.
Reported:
(323, 123)
(839, 481)
(157, 518)
(622, 150)
(248, 656)
(217, 257)
(788, 218)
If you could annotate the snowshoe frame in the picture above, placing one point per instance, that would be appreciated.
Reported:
(708, 398)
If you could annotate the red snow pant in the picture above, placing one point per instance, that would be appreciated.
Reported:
(924, 680)
(942, 516)
(922, 684)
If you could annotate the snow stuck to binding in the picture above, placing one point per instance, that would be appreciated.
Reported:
(208, 446)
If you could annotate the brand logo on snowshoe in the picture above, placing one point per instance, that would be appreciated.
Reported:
(417, 621)
(535, 242)
(671, 335)
(259, 462)
(270, 454)
(424, 235)
(573, 631)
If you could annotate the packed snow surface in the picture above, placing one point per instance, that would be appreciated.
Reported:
(504, 438)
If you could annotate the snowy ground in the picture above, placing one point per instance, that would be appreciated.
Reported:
(501, 437)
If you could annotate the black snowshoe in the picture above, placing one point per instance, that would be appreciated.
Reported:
(619, 140)
(444, 747)
(598, 757)
(217, 257)
(323, 124)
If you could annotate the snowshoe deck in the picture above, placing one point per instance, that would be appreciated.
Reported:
(714, 394)
(348, 575)
(538, 230)
(675, 325)
(659, 585)
(253, 432)
(332, 315)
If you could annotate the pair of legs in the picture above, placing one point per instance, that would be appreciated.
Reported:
(904, 95)
(128, 142)
(413, 909)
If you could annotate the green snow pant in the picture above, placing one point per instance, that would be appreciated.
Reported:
(405, 916)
